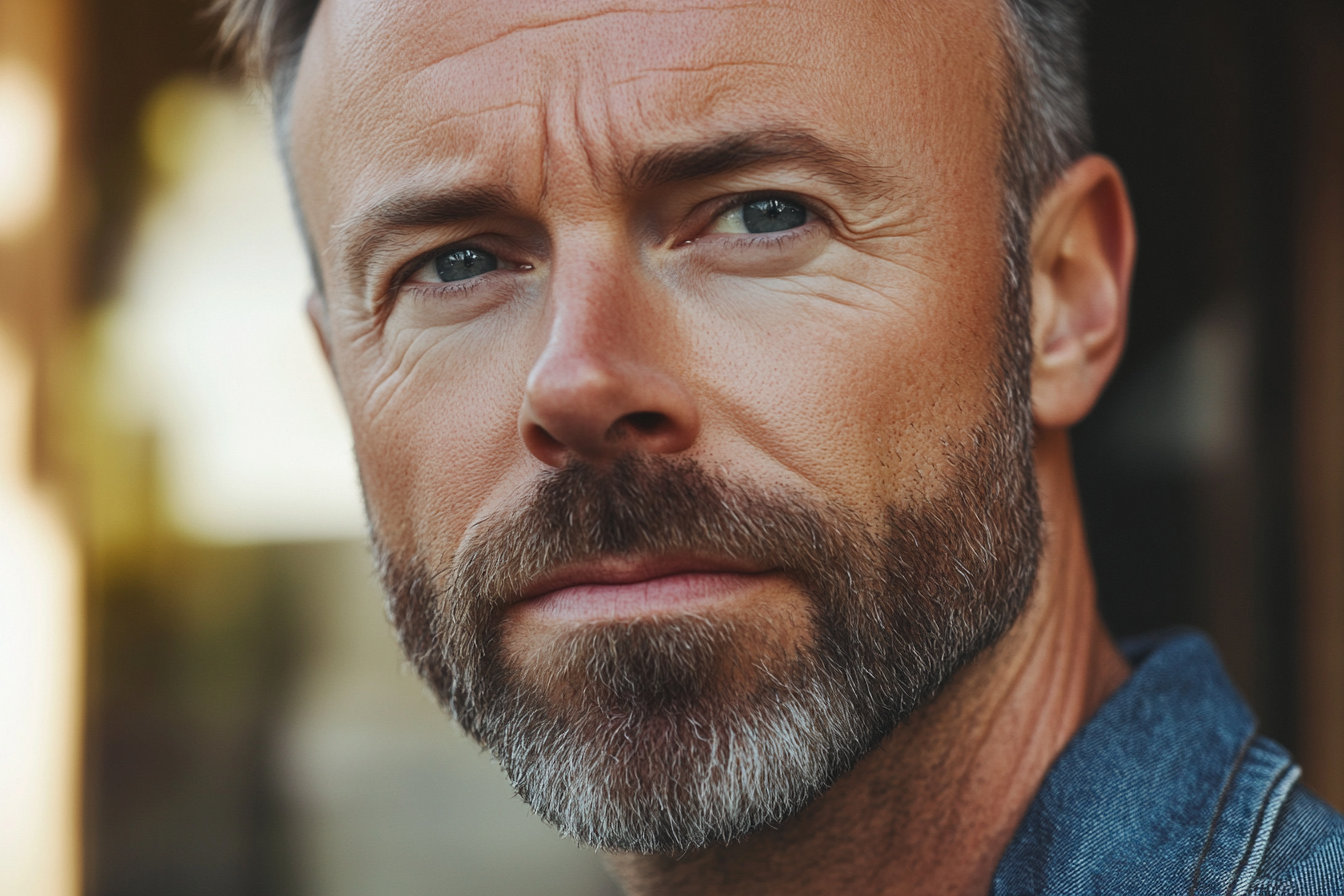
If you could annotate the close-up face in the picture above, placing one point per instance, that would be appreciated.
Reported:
(731, 272)
(612, 168)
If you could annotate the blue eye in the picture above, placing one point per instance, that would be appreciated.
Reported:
(463, 264)
(772, 215)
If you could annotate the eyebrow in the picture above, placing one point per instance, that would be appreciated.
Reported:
(363, 236)
(359, 240)
(694, 160)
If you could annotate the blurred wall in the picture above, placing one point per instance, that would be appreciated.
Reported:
(1318, 375)
(41, 648)
(1211, 469)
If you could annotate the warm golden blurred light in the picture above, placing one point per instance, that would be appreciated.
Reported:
(209, 347)
(28, 142)
(40, 650)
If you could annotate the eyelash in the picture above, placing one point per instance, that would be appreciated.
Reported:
(401, 281)
(728, 203)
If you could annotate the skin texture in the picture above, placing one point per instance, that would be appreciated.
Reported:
(840, 360)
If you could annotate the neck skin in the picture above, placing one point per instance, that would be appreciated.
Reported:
(934, 807)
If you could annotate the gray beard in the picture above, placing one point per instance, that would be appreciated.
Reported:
(669, 734)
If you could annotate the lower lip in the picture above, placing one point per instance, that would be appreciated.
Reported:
(681, 593)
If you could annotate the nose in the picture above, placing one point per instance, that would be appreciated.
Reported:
(603, 385)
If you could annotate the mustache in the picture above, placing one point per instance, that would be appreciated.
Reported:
(934, 556)
(649, 505)
(639, 504)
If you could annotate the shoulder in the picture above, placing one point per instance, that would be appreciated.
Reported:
(1305, 852)
(1169, 789)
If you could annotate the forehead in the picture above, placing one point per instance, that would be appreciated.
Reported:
(526, 89)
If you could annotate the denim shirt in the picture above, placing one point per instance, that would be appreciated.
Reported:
(1169, 790)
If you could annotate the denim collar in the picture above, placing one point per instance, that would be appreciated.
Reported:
(1153, 794)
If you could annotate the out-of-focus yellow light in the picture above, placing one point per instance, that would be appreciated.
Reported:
(28, 147)
(40, 649)
(209, 346)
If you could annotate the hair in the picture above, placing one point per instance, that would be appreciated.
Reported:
(266, 37)
(1045, 129)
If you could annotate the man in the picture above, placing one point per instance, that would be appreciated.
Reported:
(710, 366)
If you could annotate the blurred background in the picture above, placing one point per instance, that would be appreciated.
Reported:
(198, 691)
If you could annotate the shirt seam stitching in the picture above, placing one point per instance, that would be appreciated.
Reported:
(1263, 825)
(1218, 811)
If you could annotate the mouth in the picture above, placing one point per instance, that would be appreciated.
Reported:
(629, 588)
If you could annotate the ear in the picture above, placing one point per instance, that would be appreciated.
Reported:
(317, 315)
(1082, 251)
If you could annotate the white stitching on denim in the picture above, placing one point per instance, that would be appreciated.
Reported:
(1218, 809)
(1269, 815)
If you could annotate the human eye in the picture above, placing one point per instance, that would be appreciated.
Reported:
(770, 214)
(456, 264)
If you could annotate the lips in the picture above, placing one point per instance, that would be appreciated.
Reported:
(614, 588)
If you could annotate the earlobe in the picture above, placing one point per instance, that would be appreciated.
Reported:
(1083, 247)
(317, 315)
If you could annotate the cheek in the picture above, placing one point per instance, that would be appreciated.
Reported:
(856, 390)
(435, 421)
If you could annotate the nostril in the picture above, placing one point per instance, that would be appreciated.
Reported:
(542, 442)
(645, 422)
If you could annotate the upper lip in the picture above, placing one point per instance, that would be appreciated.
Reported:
(629, 570)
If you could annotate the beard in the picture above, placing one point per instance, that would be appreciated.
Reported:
(676, 732)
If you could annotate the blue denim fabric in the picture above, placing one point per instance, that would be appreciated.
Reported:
(1168, 790)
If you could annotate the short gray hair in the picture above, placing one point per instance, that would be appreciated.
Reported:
(1046, 128)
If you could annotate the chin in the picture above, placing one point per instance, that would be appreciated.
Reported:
(672, 733)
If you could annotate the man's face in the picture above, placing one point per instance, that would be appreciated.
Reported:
(729, 272)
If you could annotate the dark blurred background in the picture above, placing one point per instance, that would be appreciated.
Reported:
(246, 725)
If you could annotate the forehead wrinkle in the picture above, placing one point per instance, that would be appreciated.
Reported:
(427, 69)
(454, 116)
(578, 138)
(414, 142)
(526, 27)
(710, 67)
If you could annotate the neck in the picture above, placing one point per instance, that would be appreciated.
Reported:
(933, 808)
